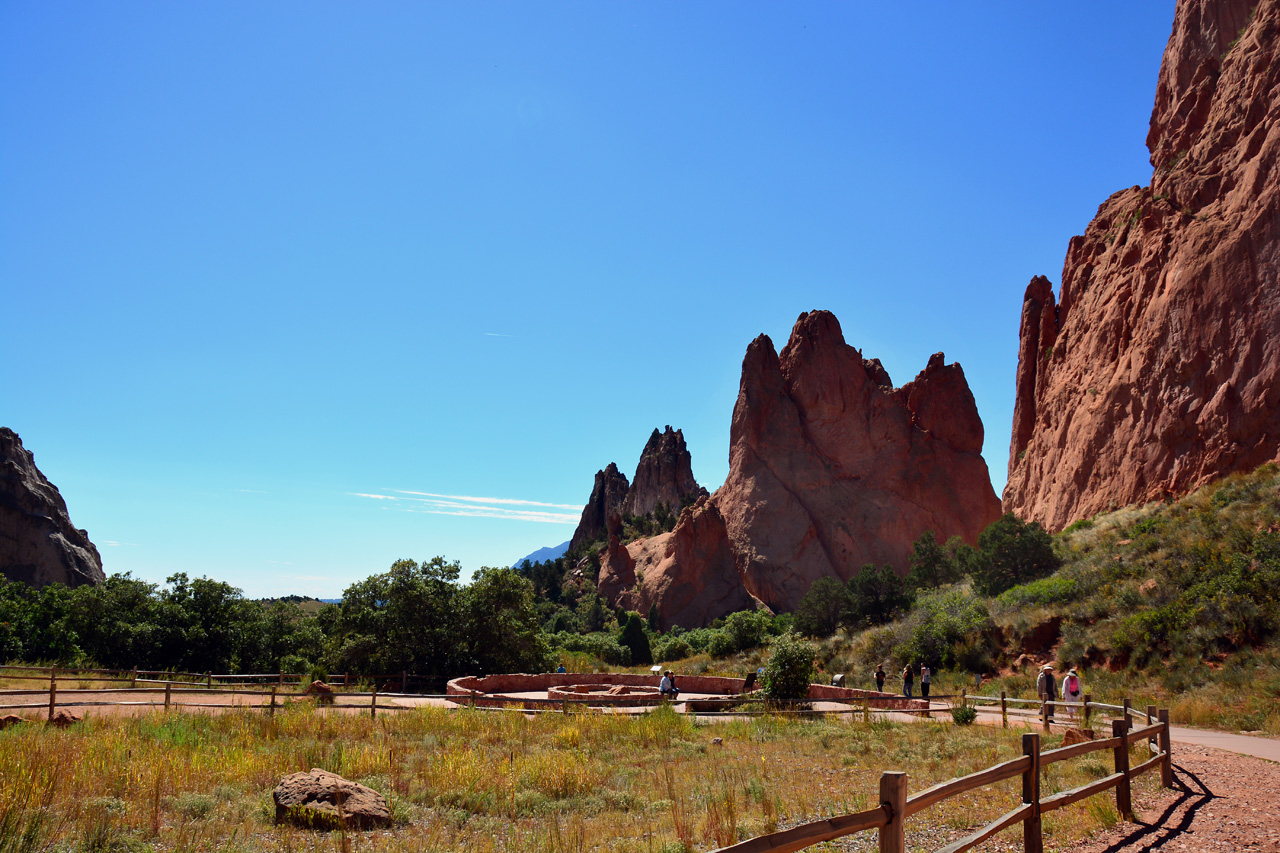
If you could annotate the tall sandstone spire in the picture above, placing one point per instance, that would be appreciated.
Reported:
(1158, 367)
(830, 468)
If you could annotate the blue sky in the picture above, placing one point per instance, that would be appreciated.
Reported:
(262, 261)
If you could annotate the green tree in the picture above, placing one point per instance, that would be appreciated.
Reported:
(876, 594)
(1010, 552)
(634, 638)
(499, 625)
(824, 608)
(790, 670)
(931, 565)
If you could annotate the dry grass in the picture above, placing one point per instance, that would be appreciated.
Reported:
(471, 780)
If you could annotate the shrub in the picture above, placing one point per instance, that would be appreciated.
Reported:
(1010, 552)
(670, 648)
(634, 638)
(964, 715)
(789, 671)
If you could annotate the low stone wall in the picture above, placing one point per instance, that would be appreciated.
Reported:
(496, 690)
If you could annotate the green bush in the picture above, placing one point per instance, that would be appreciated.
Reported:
(634, 638)
(670, 648)
(789, 671)
(964, 715)
(1010, 552)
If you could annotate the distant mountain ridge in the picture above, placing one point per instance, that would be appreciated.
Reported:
(551, 552)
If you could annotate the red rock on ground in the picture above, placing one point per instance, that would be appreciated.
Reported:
(62, 719)
(1158, 368)
(322, 800)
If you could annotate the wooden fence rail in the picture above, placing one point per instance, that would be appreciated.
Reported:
(895, 807)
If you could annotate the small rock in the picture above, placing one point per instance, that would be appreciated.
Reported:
(322, 800)
(717, 741)
(321, 690)
(64, 718)
(1074, 736)
(10, 720)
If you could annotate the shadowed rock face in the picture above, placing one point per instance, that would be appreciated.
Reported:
(830, 468)
(38, 544)
(1158, 368)
(607, 495)
(664, 475)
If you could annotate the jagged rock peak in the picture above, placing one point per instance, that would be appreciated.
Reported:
(663, 475)
(607, 495)
(38, 543)
(830, 468)
(1158, 369)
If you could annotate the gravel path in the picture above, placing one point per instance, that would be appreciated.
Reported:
(1220, 802)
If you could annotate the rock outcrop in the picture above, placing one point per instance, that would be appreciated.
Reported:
(607, 495)
(1158, 367)
(690, 573)
(38, 543)
(664, 475)
(830, 468)
(323, 800)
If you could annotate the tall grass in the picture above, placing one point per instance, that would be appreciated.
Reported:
(474, 780)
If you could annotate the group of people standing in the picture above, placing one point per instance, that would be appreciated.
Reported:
(908, 677)
(1046, 685)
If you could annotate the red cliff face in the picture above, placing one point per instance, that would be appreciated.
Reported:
(1159, 367)
(38, 543)
(830, 468)
(607, 495)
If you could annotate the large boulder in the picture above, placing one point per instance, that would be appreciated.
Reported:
(38, 543)
(1157, 367)
(319, 799)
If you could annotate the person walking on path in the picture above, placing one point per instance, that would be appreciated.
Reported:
(908, 678)
(880, 677)
(1072, 689)
(924, 681)
(1047, 688)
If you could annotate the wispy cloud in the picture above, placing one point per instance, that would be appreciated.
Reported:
(497, 335)
(510, 509)
(111, 543)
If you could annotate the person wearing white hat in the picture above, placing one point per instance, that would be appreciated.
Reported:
(1047, 688)
(1072, 690)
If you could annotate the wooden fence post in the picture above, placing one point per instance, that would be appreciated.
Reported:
(281, 681)
(134, 682)
(1166, 746)
(471, 703)
(866, 710)
(346, 680)
(168, 686)
(1086, 710)
(893, 794)
(1124, 802)
(564, 705)
(1044, 715)
(1151, 717)
(1126, 709)
(272, 712)
(964, 697)
(373, 702)
(53, 689)
(208, 680)
(1004, 711)
(404, 681)
(1032, 837)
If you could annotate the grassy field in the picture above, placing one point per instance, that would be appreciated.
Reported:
(481, 781)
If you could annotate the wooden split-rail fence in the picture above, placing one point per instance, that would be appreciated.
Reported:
(889, 818)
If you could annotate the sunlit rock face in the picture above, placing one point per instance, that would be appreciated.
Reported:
(1158, 366)
(38, 543)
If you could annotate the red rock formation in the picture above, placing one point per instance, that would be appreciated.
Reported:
(607, 495)
(1159, 369)
(38, 543)
(830, 468)
(663, 475)
(689, 573)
